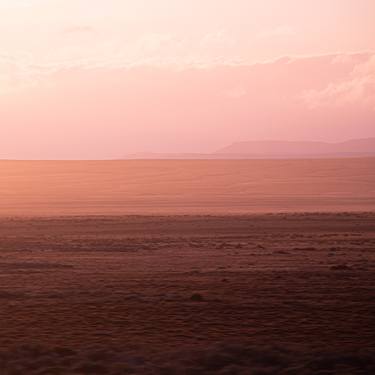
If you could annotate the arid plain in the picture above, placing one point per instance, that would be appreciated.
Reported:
(186, 186)
(187, 267)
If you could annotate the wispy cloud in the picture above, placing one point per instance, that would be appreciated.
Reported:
(113, 105)
(356, 89)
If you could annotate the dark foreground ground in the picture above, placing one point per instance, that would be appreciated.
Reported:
(265, 294)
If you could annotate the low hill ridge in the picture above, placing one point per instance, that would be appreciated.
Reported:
(275, 149)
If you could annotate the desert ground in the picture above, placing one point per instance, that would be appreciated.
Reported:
(246, 294)
(172, 187)
(187, 267)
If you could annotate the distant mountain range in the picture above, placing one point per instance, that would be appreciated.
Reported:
(276, 150)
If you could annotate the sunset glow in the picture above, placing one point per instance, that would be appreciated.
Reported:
(187, 187)
(100, 79)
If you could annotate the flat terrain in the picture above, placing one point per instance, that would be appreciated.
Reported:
(258, 294)
(186, 186)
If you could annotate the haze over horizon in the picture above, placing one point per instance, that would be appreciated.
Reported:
(97, 80)
(187, 187)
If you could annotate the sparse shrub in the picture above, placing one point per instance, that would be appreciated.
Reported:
(196, 297)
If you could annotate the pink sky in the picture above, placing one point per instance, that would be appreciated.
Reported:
(100, 79)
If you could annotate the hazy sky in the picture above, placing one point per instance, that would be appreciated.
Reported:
(98, 79)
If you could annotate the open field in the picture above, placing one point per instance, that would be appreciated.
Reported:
(258, 294)
(186, 186)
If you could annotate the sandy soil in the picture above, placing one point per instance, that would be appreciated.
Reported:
(186, 186)
(261, 294)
